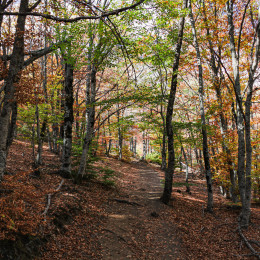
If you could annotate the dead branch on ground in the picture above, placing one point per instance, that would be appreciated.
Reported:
(49, 199)
(127, 202)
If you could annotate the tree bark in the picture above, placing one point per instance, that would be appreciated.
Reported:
(163, 152)
(166, 196)
(13, 77)
(120, 137)
(68, 120)
(202, 114)
(223, 123)
(90, 119)
(243, 120)
(144, 146)
(245, 214)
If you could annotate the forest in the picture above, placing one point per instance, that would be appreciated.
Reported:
(129, 129)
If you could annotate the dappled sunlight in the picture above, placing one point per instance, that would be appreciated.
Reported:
(188, 198)
(117, 216)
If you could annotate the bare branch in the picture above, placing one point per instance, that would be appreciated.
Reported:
(6, 4)
(49, 199)
(34, 55)
(34, 6)
(72, 20)
(241, 28)
(222, 65)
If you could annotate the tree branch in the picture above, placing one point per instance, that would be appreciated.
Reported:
(34, 5)
(34, 55)
(49, 199)
(72, 20)
(240, 30)
(222, 65)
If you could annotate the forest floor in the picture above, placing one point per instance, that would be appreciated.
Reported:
(43, 216)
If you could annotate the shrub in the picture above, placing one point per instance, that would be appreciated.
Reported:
(126, 154)
(107, 177)
(154, 158)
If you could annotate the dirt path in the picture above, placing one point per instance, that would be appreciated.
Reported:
(137, 226)
(86, 222)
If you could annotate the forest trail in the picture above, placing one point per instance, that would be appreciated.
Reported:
(93, 221)
(136, 226)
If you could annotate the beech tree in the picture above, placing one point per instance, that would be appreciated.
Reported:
(166, 196)
(202, 114)
(243, 111)
(113, 78)
(17, 61)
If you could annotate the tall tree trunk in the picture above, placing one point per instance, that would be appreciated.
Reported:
(13, 77)
(202, 114)
(187, 169)
(134, 146)
(68, 120)
(245, 214)
(144, 146)
(131, 140)
(110, 140)
(166, 196)
(90, 119)
(163, 152)
(223, 123)
(240, 120)
(38, 159)
(120, 137)
(243, 119)
(187, 163)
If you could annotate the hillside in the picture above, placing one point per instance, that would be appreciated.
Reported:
(46, 217)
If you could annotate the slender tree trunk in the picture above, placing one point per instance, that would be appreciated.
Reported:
(166, 196)
(245, 214)
(187, 169)
(163, 152)
(131, 144)
(223, 123)
(202, 114)
(120, 138)
(144, 146)
(187, 163)
(90, 119)
(110, 140)
(239, 119)
(38, 160)
(134, 148)
(243, 119)
(33, 139)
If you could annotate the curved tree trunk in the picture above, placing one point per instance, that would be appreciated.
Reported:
(13, 77)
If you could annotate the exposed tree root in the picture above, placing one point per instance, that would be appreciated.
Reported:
(244, 255)
(254, 252)
(112, 232)
(255, 242)
(127, 202)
